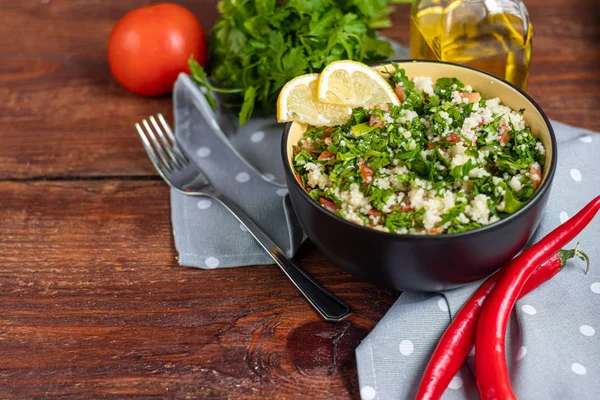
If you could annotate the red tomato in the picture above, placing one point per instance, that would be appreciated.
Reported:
(151, 45)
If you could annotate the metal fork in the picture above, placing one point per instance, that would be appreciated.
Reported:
(183, 175)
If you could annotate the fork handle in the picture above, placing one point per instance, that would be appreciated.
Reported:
(329, 306)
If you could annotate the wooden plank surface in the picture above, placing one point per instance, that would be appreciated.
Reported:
(92, 300)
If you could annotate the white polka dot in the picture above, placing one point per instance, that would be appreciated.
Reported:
(203, 152)
(563, 217)
(406, 347)
(586, 139)
(522, 352)
(367, 393)
(456, 383)
(212, 262)
(243, 228)
(576, 175)
(204, 204)
(282, 192)
(257, 136)
(527, 309)
(269, 176)
(242, 177)
(442, 304)
(587, 330)
(595, 287)
(578, 369)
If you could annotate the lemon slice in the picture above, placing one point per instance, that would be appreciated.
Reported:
(297, 101)
(353, 84)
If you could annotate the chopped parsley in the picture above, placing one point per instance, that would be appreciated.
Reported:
(446, 160)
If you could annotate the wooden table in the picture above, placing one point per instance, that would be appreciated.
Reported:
(92, 300)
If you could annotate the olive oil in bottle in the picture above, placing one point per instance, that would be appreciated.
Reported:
(492, 35)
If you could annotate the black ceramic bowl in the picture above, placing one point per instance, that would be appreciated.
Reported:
(437, 262)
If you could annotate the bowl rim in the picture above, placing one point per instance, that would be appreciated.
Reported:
(538, 195)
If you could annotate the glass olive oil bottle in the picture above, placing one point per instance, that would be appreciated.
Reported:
(492, 35)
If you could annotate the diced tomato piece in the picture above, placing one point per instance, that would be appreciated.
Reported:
(376, 214)
(404, 205)
(300, 182)
(430, 145)
(366, 173)
(308, 145)
(400, 93)
(383, 106)
(374, 121)
(435, 230)
(326, 155)
(327, 133)
(329, 205)
(453, 137)
(535, 172)
(471, 97)
(504, 137)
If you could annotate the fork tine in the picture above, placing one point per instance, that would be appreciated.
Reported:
(157, 146)
(166, 144)
(148, 147)
(170, 135)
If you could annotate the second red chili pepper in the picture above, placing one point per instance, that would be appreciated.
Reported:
(459, 338)
(490, 356)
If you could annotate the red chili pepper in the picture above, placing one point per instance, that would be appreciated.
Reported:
(458, 340)
(490, 358)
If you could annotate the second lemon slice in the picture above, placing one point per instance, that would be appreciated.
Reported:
(298, 102)
(353, 84)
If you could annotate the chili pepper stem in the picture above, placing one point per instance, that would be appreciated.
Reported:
(565, 255)
(581, 255)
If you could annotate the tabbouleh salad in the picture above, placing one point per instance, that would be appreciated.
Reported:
(445, 161)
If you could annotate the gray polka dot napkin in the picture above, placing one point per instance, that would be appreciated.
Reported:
(554, 335)
(242, 163)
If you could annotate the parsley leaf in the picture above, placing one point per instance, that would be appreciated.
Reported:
(257, 46)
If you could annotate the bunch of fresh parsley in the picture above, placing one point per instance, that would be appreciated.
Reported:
(259, 45)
